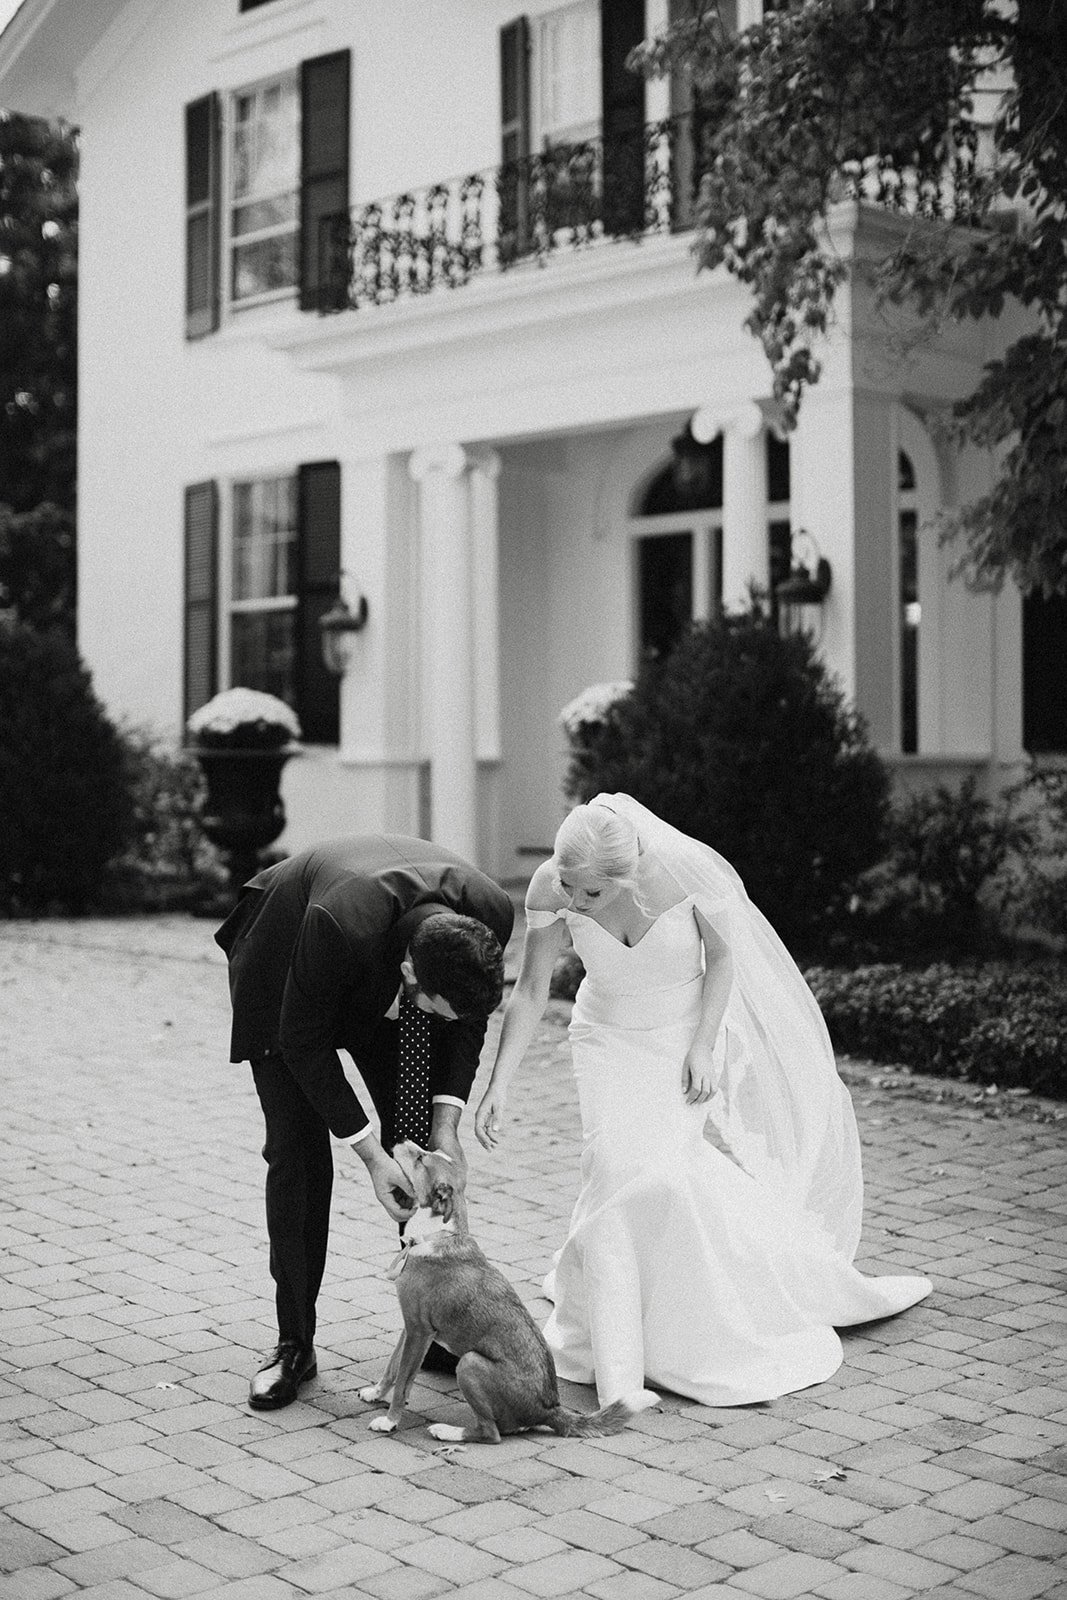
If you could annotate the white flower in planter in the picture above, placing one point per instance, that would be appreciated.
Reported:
(246, 718)
(590, 708)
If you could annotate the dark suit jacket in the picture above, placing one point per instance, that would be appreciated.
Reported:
(315, 945)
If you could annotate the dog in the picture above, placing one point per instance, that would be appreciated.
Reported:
(450, 1292)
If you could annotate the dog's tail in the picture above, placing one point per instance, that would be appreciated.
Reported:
(598, 1424)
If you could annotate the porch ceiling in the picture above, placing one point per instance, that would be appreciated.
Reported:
(42, 48)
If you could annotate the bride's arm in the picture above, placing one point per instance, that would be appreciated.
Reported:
(522, 1013)
(698, 1077)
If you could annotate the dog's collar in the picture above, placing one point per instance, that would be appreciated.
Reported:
(399, 1261)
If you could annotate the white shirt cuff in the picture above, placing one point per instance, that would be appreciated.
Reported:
(354, 1138)
(449, 1100)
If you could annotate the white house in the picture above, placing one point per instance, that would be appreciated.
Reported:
(397, 302)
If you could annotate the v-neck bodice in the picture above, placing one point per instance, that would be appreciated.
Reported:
(668, 953)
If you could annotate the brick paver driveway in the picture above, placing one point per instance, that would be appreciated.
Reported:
(134, 1301)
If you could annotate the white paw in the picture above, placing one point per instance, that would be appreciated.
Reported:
(370, 1395)
(382, 1425)
(445, 1430)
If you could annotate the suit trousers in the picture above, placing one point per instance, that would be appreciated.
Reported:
(299, 1160)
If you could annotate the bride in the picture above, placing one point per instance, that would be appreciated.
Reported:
(718, 1271)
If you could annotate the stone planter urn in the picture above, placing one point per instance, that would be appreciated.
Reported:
(242, 740)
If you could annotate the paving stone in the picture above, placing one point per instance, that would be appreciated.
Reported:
(785, 1577)
(562, 1574)
(1013, 1578)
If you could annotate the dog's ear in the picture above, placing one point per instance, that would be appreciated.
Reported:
(441, 1198)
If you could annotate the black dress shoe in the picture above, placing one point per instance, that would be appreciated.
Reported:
(438, 1359)
(278, 1381)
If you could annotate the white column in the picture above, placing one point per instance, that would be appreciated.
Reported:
(485, 546)
(745, 558)
(448, 643)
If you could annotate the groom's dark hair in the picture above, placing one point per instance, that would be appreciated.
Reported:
(460, 960)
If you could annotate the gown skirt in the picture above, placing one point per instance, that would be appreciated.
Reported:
(679, 1270)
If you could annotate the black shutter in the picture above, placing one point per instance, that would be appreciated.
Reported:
(200, 666)
(203, 165)
(318, 502)
(622, 116)
(514, 178)
(324, 145)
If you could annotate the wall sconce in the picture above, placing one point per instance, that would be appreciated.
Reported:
(336, 627)
(802, 595)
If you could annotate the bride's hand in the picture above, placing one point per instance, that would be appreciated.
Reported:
(489, 1118)
(698, 1078)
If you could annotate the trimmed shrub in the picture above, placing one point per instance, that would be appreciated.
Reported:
(1041, 878)
(64, 805)
(741, 739)
(999, 1023)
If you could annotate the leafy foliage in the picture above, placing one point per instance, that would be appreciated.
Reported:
(741, 738)
(793, 111)
(38, 312)
(945, 882)
(167, 861)
(62, 775)
(37, 570)
(999, 1023)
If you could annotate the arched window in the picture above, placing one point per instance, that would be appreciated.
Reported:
(678, 540)
(678, 545)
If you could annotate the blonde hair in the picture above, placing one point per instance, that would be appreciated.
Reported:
(593, 839)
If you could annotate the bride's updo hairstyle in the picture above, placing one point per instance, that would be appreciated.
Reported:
(594, 839)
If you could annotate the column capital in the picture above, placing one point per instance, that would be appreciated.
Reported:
(745, 421)
(444, 460)
(486, 461)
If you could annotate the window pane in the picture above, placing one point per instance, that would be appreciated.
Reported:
(665, 575)
(264, 539)
(266, 141)
(570, 69)
(909, 632)
(777, 469)
(255, 216)
(262, 653)
(264, 266)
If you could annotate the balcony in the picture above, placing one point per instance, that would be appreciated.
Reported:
(575, 198)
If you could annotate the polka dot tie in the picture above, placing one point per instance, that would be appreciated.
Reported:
(413, 1077)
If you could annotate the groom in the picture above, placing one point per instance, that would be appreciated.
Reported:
(392, 949)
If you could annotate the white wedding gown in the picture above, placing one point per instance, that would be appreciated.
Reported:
(681, 1271)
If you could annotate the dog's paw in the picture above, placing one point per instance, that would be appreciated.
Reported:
(370, 1395)
(382, 1425)
(445, 1431)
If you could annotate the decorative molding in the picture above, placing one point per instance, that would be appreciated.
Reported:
(445, 460)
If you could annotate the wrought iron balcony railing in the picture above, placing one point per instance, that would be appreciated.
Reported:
(570, 197)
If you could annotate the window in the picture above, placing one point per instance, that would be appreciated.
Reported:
(262, 565)
(263, 587)
(1044, 674)
(566, 71)
(910, 607)
(264, 177)
(266, 188)
(678, 548)
(779, 527)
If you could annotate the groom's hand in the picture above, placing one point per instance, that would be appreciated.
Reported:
(444, 1136)
(387, 1177)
